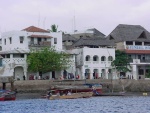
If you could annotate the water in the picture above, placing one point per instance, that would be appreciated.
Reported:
(131, 104)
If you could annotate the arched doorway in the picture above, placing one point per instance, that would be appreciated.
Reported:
(103, 73)
(110, 74)
(87, 73)
(18, 73)
(95, 74)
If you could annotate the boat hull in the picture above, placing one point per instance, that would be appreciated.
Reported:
(72, 96)
(7, 96)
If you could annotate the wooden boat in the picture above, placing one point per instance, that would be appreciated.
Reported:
(79, 88)
(6, 95)
(72, 96)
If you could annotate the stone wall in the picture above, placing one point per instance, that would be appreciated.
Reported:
(117, 85)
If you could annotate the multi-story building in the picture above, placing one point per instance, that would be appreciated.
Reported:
(135, 41)
(15, 45)
(93, 57)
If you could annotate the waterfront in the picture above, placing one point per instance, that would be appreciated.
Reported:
(123, 104)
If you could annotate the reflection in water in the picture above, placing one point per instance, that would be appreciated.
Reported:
(138, 104)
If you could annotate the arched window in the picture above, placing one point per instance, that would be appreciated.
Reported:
(95, 58)
(87, 58)
(103, 58)
(110, 58)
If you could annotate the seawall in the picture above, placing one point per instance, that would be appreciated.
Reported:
(129, 85)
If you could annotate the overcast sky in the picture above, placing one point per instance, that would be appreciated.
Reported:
(103, 15)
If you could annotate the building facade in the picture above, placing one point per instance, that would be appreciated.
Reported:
(15, 45)
(135, 41)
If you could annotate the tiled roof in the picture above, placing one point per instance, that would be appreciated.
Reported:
(129, 33)
(35, 29)
(40, 36)
(138, 51)
(93, 42)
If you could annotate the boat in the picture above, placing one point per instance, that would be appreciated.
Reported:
(7, 95)
(71, 96)
(79, 88)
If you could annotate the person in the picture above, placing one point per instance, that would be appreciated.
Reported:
(69, 93)
(24, 77)
(49, 94)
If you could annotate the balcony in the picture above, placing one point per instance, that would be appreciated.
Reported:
(137, 61)
(40, 44)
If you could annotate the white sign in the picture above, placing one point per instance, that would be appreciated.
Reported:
(138, 47)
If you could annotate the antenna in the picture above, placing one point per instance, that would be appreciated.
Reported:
(39, 20)
(44, 22)
(74, 22)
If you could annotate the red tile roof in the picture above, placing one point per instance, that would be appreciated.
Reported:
(40, 36)
(138, 51)
(34, 29)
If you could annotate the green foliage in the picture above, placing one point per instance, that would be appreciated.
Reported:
(121, 62)
(54, 28)
(47, 59)
(148, 74)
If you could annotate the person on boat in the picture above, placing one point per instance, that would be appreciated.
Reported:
(49, 94)
(69, 93)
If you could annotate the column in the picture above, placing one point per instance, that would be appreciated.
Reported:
(134, 69)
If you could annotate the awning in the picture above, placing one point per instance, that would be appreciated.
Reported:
(137, 51)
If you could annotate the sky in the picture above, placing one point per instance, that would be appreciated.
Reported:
(69, 15)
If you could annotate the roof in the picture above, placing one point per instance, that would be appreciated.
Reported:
(15, 51)
(40, 36)
(66, 37)
(35, 29)
(138, 51)
(96, 32)
(129, 33)
(93, 42)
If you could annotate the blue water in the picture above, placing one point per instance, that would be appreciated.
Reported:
(137, 104)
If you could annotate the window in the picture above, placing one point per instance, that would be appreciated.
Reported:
(103, 58)
(129, 43)
(95, 58)
(45, 39)
(5, 41)
(110, 58)
(10, 40)
(138, 43)
(21, 39)
(87, 58)
(0, 61)
(55, 40)
(22, 55)
(32, 40)
(8, 56)
(39, 40)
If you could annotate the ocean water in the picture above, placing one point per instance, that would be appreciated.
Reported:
(121, 104)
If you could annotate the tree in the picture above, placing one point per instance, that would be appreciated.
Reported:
(121, 62)
(148, 73)
(54, 28)
(46, 60)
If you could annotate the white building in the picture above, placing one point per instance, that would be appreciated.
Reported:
(134, 40)
(15, 45)
(94, 63)
(93, 56)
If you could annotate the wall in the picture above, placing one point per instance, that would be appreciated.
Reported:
(130, 85)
